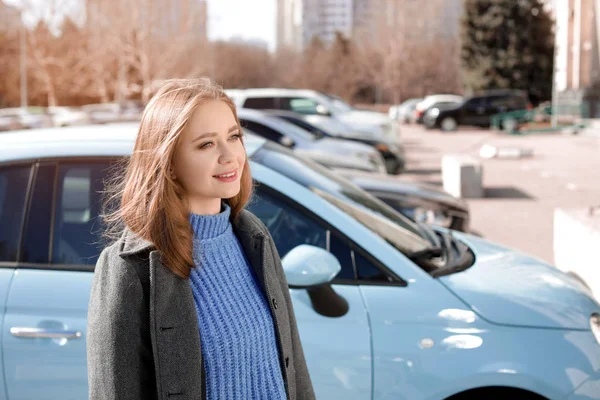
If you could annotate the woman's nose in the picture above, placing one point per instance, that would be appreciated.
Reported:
(227, 156)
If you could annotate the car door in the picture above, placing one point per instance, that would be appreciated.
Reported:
(337, 349)
(475, 112)
(46, 310)
(14, 186)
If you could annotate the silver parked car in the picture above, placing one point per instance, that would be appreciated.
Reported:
(331, 152)
(28, 118)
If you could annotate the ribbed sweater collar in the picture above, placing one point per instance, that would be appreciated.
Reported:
(210, 226)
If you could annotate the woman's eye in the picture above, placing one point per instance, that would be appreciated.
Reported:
(237, 136)
(205, 145)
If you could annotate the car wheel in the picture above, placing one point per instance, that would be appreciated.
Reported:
(509, 125)
(448, 124)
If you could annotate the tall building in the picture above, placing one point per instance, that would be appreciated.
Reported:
(298, 21)
(289, 24)
(577, 38)
(577, 54)
(415, 20)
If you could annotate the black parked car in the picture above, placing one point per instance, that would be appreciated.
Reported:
(477, 110)
(393, 154)
(420, 203)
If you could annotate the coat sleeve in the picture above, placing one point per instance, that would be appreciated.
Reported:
(304, 387)
(119, 353)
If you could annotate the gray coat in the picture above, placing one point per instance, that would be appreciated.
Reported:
(143, 340)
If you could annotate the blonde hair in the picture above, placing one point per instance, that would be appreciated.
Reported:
(146, 199)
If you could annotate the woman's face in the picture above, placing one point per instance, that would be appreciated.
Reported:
(209, 158)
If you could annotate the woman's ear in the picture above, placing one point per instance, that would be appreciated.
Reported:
(172, 173)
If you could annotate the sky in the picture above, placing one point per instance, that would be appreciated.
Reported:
(249, 19)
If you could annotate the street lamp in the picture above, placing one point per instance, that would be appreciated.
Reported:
(23, 63)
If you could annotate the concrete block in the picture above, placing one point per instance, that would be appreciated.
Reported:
(489, 151)
(462, 176)
(576, 244)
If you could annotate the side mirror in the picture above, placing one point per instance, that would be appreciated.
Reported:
(306, 266)
(322, 110)
(287, 141)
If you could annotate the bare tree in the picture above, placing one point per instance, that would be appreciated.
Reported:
(147, 40)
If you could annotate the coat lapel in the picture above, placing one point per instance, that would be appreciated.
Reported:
(253, 243)
(175, 333)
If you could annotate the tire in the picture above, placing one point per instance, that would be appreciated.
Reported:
(448, 124)
(509, 125)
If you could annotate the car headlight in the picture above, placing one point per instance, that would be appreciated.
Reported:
(595, 325)
(434, 113)
(433, 217)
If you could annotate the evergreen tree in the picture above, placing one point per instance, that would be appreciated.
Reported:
(508, 44)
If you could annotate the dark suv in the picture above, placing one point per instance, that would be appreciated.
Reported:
(477, 110)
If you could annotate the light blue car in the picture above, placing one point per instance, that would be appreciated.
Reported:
(412, 313)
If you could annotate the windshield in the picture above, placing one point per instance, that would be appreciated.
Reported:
(291, 130)
(318, 132)
(396, 229)
(336, 104)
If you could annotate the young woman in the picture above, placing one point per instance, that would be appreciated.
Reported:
(191, 302)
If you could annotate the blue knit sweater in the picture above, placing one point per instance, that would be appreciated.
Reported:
(237, 333)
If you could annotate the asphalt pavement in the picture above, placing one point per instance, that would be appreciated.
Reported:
(520, 194)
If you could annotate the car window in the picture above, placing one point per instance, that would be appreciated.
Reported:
(77, 229)
(300, 105)
(36, 240)
(261, 130)
(510, 102)
(340, 248)
(287, 225)
(368, 271)
(290, 226)
(317, 132)
(14, 182)
(475, 104)
(261, 103)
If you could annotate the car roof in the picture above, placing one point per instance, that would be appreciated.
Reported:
(285, 113)
(273, 92)
(275, 123)
(110, 140)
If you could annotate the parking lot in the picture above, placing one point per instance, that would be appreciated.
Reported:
(520, 194)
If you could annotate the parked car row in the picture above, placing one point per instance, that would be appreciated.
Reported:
(322, 108)
(413, 311)
(45, 117)
(360, 162)
(448, 112)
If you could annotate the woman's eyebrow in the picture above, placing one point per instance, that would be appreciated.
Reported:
(211, 134)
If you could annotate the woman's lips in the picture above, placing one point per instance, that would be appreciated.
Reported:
(227, 177)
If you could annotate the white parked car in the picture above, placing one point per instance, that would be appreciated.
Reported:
(310, 102)
(68, 116)
(424, 105)
(403, 112)
(103, 113)
(29, 118)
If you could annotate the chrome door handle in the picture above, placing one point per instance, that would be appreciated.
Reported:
(44, 333)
